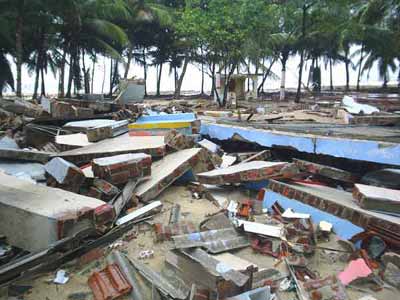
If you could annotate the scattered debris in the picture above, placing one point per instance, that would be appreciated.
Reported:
(61, 277)
(353, 107)
(252, 171)
(356, 269)
(110, 283)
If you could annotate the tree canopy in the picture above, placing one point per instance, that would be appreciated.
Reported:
(222, 36)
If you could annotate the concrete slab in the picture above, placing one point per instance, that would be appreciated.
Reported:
(153, 145)
(251, 171)
(25, 155)
(326, 171)
(35, 216)
(170, 168)
(72, 141)
(82, 126)
(367, 143)
(23, 170)
(377, 198)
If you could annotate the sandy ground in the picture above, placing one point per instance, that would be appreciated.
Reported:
(194, 210)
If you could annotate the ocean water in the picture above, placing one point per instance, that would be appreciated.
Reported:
(192, 80)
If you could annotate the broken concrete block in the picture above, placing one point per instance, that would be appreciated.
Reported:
(169, 169)
(21, 107)
(120, 169)
(391, 257)
(251, 171)
(83, 112)
(214, 241)
(204, 270)
(166, 232)
(123, 144)
(178, 141)
(84, 126)
(103, 190)
(25, 155)
(262, 293)
(392, 275)
(103, 132)
(34, 216)
(210, 146)
(66, 174)
(61, 109)
(377, 198)
(326, 171)
(387, 178)
(72, 141)
(7, 142)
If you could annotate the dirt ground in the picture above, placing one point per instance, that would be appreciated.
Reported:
(194, 210)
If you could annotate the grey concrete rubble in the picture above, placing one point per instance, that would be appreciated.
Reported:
(53, 213)
(65, 174)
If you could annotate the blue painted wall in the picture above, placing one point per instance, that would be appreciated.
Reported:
(386, 153)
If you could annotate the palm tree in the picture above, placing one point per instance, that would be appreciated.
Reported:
(6, 45)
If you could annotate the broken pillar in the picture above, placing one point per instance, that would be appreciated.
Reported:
(64, 174)
(120, 169)
(245, 172)
(34, 216)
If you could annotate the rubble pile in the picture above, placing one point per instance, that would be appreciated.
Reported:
(162, 202)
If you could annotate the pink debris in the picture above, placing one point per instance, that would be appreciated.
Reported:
(356, 269)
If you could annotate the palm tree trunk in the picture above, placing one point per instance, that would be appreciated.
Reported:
(145, 72)
(43, 93)
(128, 64)
(37, 75)
(261, 86)
(180, 80)
(330, 75)
(228, 78)
(303, 34)
(70, 76)
(111, 77)
(159, 79)
(398, 79)
(347, 63)
(283, 79)
(93, 68)
(104, 75)
(62, 75)
(213, 86)
(19, 45)
(360, 67)
(202, 78)
(248, 80)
